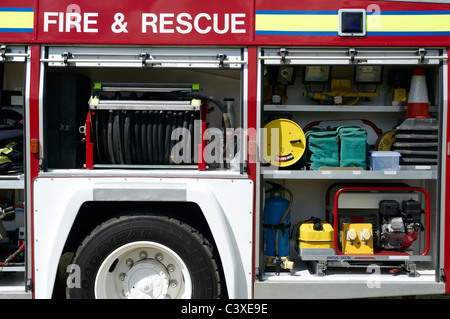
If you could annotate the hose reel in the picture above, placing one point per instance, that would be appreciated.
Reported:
(284, 142)
(151, 125)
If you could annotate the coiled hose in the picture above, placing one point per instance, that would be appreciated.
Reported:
(144, 137)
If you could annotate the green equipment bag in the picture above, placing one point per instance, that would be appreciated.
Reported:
(353, 146)
(322, 149)
(344, 146)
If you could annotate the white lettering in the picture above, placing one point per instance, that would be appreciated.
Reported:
(196, 23)
(61, 22)
(65, 21)
(47, 20)
(182, 22)
(235, 22)
(225, 22)
(73, 19)
(70, 8)
(164, 22)
(169, 23)
(152, 23)
(87, 22)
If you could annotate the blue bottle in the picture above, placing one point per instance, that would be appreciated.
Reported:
(274, 209)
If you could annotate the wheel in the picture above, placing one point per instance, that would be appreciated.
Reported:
(145, 257)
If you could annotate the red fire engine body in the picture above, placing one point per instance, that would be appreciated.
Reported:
(250, 150)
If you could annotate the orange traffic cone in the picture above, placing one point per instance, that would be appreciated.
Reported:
(418, 106)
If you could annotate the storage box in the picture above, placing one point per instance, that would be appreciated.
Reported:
(316, 242)
(384, 160)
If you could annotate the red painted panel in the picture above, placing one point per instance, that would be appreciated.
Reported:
(447, 203)
(34, 134)
(251, 134)
(145, 22)
(196, 22)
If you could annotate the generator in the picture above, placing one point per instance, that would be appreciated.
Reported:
(146, 126)
(357, 236)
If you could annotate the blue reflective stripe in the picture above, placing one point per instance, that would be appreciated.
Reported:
(23, 30)
(3, 9)
(409, 13)
(293, 12)
(406, 33)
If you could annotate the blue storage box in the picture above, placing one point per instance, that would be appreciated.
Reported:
(384, 160)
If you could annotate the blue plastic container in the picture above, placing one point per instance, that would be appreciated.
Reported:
(274, 209)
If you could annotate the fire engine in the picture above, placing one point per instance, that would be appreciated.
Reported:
(258, 149)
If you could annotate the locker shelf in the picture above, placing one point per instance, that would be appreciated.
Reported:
(423, 173)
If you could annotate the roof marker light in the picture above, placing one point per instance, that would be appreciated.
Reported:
(352, 22)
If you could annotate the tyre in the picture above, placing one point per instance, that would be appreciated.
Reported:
(145, 257)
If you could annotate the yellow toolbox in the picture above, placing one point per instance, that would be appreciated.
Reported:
(315, 239)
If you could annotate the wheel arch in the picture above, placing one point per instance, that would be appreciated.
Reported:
(93, 213)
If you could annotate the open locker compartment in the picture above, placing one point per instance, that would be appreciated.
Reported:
(142, 85)
(321, 90)
(13, 221)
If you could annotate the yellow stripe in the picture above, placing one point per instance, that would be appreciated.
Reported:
(282, 22)
(408, 23)
(375, 23)
(16, 20)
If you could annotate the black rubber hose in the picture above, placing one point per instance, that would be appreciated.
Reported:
(178, 121)
(154, 140)
(191, 137)
(185, 138)
(144, 137)
(173, 141)
(117, 139)
(132, 138)
(137, 136)
(220, 105)
(198, 95)
(161, 136)
(104, 136)
(98, 140)
(169, 123)
(150, 123)
(121, 132)
(95, 128)
(127, 137)
(109, 138)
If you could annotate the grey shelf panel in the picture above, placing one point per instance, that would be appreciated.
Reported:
(338, 108)
(12, 181)
(350, 174)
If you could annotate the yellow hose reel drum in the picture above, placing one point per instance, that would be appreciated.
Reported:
(284, 142)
